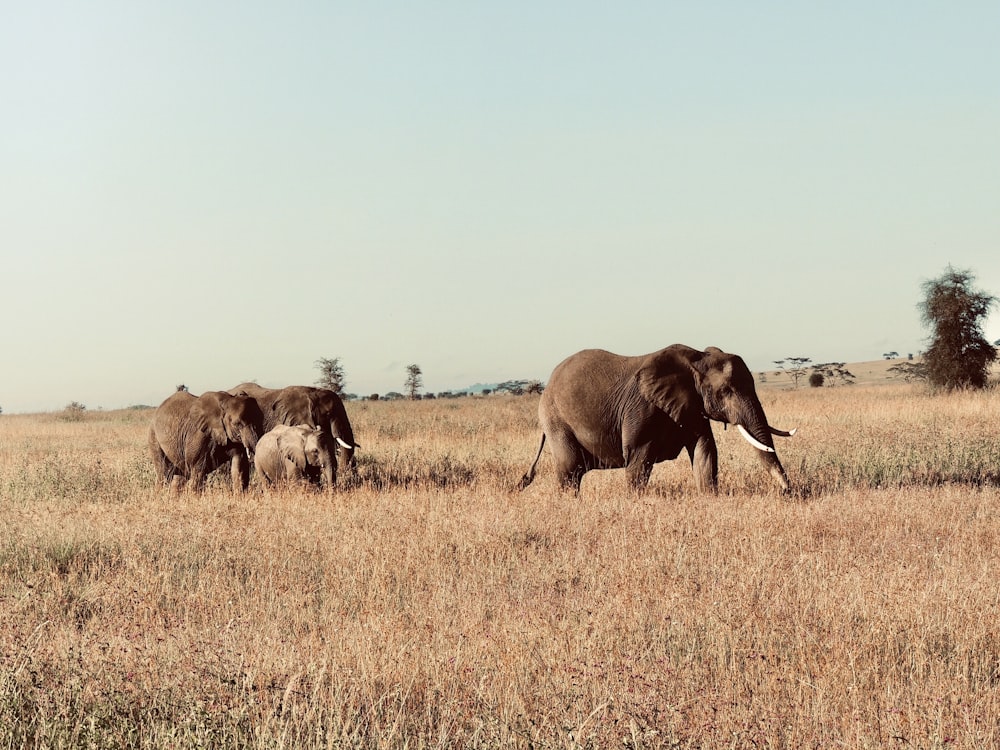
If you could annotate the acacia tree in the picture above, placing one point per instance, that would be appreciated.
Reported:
(520, 387)
(797, 367)
(331, 374)
(833, 373)
(959, 355)
(414, 381)
(909, 371)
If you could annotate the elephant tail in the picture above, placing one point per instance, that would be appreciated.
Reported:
(530, 475)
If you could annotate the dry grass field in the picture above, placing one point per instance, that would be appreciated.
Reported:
(430, 606)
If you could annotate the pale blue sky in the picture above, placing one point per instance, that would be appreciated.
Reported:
(208, 193)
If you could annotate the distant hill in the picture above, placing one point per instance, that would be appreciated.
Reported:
(873, 372)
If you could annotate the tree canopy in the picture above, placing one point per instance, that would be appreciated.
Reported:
(958, 355)
(331, 374)
(414, 381)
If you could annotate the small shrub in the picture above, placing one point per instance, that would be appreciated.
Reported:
(74, 411)
(816, 380)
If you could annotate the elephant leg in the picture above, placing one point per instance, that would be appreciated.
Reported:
(638, 467)
(571, 476)
(329, 478)
(196, 478)
(705, 463)
(196, 483)
(571, 461)
(240, 472)
(161, 464)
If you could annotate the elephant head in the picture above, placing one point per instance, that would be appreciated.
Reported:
(308, 450)
(691, 385)
(242, 420)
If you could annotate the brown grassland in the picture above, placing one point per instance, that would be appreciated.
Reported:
(430, 606)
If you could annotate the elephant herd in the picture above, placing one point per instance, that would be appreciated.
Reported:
(292, 433)
(599, 411)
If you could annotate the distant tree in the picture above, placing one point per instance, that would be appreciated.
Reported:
(74, 411)
(513, 387)
(520, 387)
(414, 381)
(331, 374)
(392, 396)
(959, 354)
(798, 368)
(373, 397)
(834, 373)
(1, 410)
(890, 355)
(909, 371)
(183, 388)
(486, 391)
(816, 380)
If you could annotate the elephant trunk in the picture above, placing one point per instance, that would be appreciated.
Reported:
(752, 424)
(343, 438)
(249, 440)
(346, 464)
(329, 472)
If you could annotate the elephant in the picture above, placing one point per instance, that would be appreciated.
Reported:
(313, 407)
(292, 454)
(191, 436)
(604, 411)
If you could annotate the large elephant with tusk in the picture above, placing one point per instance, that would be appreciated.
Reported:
(313, 407)
(604, 411)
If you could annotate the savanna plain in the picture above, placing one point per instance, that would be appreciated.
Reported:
(430, 605)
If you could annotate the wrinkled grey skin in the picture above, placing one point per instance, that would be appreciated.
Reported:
(293, 454)
(605, 411)
(191, 436)
(313, 407)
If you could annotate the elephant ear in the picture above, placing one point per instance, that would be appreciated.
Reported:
(292, 407)
(292, 448)
(669, 382)
(206, 413)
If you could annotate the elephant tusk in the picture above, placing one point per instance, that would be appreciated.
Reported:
(782, 433)
(753, 441)
(344, 444)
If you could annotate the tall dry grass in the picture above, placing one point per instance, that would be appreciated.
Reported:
(431, 606)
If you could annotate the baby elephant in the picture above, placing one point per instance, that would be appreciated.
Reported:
(294, 453)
